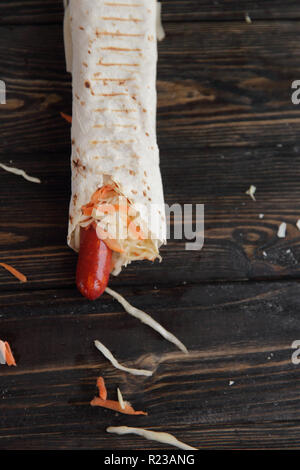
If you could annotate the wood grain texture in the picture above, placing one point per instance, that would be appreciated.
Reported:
(235, 332)
(238, 244)
(233, 92)
(51, 11)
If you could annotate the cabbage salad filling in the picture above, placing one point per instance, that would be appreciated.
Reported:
(119, 225)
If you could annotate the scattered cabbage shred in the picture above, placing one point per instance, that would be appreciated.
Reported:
(17, 171)
(145, 318)
(120, 398)
(248, 19)
(106, 353)
(251, 191)
(163, 437)
(281, 230)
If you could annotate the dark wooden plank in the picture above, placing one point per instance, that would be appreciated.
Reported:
(51, 11)
(239, 332)
(238, 244)
(233, 92)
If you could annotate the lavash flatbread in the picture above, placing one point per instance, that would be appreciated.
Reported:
(113, 63)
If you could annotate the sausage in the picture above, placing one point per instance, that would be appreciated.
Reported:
(94, 264)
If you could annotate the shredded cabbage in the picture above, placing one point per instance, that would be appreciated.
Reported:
(120, 399)
(147, 319)
(17, 171)
(106, 353)
(163, 437)
(281, 230)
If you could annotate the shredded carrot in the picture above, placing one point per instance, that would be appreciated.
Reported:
(14, 272)
(111, 404)
(93, 204)
(102, 388)
(115, 405)
(101, 193)
(96, 196)
(10, 360)
(67, 117)
(87, 210)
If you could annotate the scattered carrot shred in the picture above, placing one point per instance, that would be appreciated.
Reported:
(67, 117)
(14, 272)
(102, 388)
(111, 404)
(10, 360)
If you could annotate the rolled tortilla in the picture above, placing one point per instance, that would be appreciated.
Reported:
(113, 59)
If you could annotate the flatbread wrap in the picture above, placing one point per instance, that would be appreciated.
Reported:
(117, 212)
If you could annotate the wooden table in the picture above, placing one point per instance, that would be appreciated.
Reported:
(225, 121)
